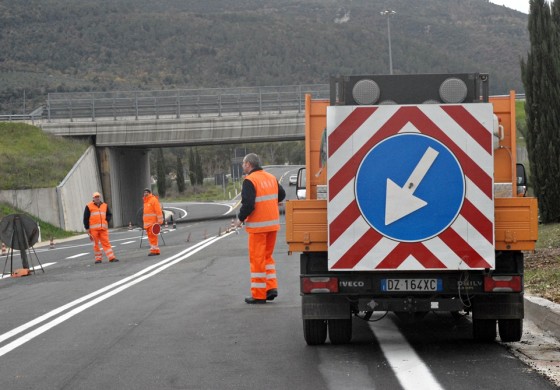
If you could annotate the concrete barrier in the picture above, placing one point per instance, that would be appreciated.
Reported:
(62, 206)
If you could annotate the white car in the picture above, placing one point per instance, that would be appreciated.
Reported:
(292, 180)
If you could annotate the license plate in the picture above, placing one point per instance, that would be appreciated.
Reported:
(411, 285)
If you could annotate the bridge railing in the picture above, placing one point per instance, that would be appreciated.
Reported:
(176, 104)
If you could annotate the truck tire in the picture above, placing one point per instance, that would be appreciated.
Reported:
(315, 331)
(510, 329)
(484, 329)
(340, 331)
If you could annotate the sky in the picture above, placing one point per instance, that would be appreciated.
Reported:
(519, 5)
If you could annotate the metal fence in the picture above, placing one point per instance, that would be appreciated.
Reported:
(177, 103)
(93, 106)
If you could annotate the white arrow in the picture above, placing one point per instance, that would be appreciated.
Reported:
(401, 201)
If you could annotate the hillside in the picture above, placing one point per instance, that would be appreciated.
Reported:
(57, 45)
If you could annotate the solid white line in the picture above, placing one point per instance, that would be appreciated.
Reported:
(6, 276)
(128, 242)
(409, 369)
(42, 329)
(78, 255)
(59, 310)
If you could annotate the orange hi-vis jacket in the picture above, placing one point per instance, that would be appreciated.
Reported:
(265, 217)
(98, 216)
(152, 211)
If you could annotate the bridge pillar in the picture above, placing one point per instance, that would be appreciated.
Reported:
(124, 175)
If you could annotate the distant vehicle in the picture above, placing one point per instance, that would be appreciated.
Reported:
(292, 180)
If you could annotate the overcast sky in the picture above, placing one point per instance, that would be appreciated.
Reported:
(520, 5)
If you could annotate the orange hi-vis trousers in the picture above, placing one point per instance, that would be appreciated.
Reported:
(153, 240)
(101, 236)
(263, 268)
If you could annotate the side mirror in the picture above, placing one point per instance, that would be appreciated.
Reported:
(521, 180)
(301, 191)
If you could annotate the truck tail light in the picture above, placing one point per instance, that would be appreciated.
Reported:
(319, 285)
(502, 284)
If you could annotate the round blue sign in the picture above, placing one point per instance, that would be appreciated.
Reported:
(410, 187)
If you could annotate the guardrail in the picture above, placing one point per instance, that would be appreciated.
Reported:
(74, 106)
(177, 103)
(20, 117)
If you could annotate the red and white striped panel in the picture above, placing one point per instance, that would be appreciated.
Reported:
(466, 130)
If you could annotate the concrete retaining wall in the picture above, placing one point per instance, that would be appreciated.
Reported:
(64, 205)
(76, 190)
(41, 203)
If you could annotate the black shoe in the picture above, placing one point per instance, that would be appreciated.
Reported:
(153, 254)
(271, 294)
(114, 260)
(97, 261)
(252, 301)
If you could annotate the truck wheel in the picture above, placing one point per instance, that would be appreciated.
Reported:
(484, 330)
(340, 331)
(510, 330)
(315, 331)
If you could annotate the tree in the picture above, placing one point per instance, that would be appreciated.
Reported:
(198, 169)
(180, 176)
(541, 78)
(161, 185)
(192, 175)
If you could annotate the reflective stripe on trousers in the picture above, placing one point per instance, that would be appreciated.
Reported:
(101, 236)
(263, 268)
(153, 239)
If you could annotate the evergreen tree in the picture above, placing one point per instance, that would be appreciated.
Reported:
(161, 185)
(180, 176)
(192, 175)
(198, 169)
(541, 76)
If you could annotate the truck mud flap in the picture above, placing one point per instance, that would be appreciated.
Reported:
(498, 306)
(324, 307)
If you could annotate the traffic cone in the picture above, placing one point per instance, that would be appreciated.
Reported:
(51, 245)
(130, 226)
(4, 250)
(166, 226)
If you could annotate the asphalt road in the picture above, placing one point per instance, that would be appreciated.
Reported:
(178, 321)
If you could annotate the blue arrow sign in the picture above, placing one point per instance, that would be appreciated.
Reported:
(410, 187)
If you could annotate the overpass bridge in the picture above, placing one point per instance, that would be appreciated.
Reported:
(182, 117)
(124, 126)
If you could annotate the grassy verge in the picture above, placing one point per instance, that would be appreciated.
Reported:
(31, 158)
(542, 268)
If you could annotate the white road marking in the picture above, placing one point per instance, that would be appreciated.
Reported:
(78, 255)
(128, 242)
(407, 366)
(6, 276)
(107, 292)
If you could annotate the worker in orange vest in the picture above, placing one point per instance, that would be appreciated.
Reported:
(97, 216)
(260, 195)
(152, 216)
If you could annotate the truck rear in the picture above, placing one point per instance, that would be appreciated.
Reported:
(414, 203)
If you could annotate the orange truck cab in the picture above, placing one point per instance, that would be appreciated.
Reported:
(414, 203)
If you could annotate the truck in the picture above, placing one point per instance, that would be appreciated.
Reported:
(414, 203)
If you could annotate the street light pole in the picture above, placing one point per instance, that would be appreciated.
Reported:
(388, 13)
